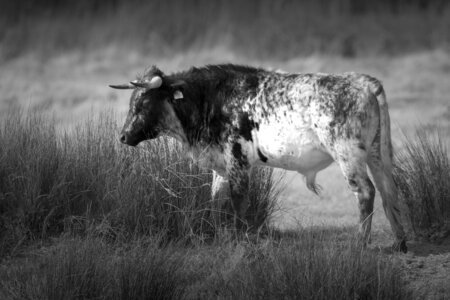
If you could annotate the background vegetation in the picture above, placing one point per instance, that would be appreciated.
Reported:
(83, 181)
(257, 28)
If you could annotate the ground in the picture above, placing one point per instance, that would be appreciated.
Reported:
(73, 85)
(426, 268)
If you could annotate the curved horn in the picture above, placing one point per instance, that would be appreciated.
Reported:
(154, 83)
(125, 86)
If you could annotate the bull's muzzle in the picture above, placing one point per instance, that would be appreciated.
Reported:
(123, 139)
(127, 140)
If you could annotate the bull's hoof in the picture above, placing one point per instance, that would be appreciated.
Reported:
(400, 246)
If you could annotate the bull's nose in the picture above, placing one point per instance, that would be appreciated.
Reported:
(123, 138)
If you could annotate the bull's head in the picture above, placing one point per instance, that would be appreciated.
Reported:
(151, 112)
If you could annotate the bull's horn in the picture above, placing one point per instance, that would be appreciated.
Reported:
(125, 86)
(154, 83)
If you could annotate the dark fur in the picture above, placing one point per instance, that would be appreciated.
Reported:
(207, 112)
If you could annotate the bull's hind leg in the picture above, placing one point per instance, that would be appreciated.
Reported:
(353, 163)
(382, 175)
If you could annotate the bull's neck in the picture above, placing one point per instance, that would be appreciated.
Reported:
(191, 110)
(203, 111)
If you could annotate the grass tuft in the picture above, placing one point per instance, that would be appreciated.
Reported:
(422, 173)
(83, 181)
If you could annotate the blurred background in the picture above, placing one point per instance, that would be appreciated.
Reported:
(259, 29)
(61, 55)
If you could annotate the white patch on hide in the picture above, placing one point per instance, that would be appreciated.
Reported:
(290, 143)
(287, 140)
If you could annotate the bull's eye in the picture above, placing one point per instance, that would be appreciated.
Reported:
(137, 108)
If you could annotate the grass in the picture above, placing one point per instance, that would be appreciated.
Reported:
(82, 180)
(92, 269)
(422, 173)
(319, 264)
(85, 217)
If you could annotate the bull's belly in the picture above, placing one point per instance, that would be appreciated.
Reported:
(310, 160)
(298, 150)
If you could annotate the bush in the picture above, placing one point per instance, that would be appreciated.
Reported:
(422, 174)
(84, 180)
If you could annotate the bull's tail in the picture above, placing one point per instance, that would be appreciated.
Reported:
(385, 129)
(396, 210)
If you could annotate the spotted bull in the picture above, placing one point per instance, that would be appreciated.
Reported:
(241, 116)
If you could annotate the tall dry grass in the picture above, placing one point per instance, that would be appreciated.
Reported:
(92, 269)
(131, 223)
(83, 181)
(317, 263)
(422, 173)
(310, 264)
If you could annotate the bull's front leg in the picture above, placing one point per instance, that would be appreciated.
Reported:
(220, 193)
(220, 188)
(238, 170)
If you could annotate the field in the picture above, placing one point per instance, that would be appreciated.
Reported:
(84, 217)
